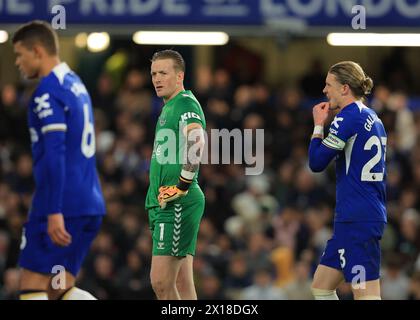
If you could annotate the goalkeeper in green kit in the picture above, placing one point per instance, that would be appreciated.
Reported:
(174, 201)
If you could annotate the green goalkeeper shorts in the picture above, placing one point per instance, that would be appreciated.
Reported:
(175, 228)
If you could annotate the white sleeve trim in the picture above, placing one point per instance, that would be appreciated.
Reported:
(187, 175)
(348, 151)
(54, 127)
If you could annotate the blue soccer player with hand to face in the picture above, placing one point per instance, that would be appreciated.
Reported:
(67, 206)
(357, 141)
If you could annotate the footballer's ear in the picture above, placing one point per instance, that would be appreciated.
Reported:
(38, 50)
(345, 90)
(180, 76)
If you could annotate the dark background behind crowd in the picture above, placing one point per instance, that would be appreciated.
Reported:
(261, 236)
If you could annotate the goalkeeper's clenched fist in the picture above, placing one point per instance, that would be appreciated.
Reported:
(169, 193)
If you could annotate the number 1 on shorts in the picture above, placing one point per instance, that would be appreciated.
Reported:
(162, 228)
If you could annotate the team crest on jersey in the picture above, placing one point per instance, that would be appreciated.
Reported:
(162, 121)
(43, 107)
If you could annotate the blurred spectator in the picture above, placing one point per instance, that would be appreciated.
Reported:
(238, 276)
(105, 137)
(217, 112)
(409, 244)
(394, 283)
(312, 83)
(133, 279)
(103, 99)
(210, 288)
(304, 192)
(316, 221)
(4, 247)
(414, 290)
(10, 288)
(263, 287)
(104, 278)
(203, 84)
(222, 85)
(395, 70)
(13, 117)
(255, 201)
(300, 287)
(134, 97)
(404, 123)
(379, 100)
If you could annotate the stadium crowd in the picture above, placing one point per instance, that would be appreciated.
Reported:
(261, 236)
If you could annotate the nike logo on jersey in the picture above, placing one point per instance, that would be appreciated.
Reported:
(336, 121)
(43, 107)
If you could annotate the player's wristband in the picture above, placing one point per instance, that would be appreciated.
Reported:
(318, 129)
(185, 180)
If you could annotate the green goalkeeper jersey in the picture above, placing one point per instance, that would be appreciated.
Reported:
(169, 146)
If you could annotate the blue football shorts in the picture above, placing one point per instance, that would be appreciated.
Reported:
(354, 250)
(39, 254)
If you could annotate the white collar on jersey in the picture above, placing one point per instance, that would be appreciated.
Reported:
(360, 104)
(60, 71)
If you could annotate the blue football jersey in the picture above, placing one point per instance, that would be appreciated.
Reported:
(61, 126)
(357, 139)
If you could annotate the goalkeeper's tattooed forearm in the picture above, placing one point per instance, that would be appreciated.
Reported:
(190, 167)
(193, 159)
